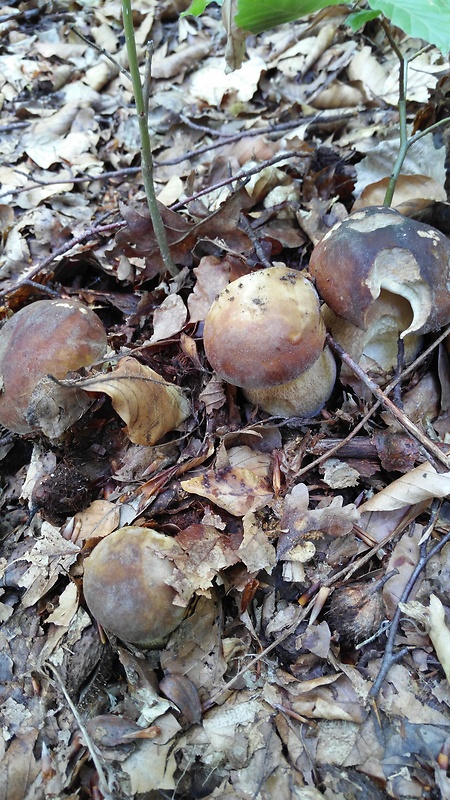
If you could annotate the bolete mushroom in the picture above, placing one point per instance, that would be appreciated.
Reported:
(382, 276)
(48, 336)
(125, 585)
(264, 333)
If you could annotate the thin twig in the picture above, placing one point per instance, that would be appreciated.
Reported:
(302, 613)
(404, 421)
(395, 382)
(187, 155)
(242, 175)
(389, 657)
(102, 52)
(106, 783)
(60, 251)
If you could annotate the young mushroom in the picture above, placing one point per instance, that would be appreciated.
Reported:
(264, 333)
(382, 276)
(125, 585)
(49, 336)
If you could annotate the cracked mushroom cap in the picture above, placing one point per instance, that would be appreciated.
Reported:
(264, 329)
(47, 337)
(378, 248)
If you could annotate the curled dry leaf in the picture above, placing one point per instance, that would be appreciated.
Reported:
(54, 407)
(418, 485)
(412, 193)
(182, 692)
(96, 521)
(212, 274)
(148, 405)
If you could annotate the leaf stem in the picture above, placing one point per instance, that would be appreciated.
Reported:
(146, 150)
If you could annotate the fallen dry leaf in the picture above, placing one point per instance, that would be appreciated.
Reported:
(169, 318)
(412, 193)
(148, 405)
(236, 490)
(419, 485)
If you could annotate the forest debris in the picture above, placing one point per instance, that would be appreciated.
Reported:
(212, 276)
(412, 193)
(97, 520)
(205, 551)
(403, 560)
(160, 754)
(211, 85)
(339, 475)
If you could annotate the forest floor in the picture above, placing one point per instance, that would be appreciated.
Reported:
(281, 681)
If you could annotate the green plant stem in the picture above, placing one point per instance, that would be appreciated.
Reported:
(405, 142)
(402, 84)
(146, 150)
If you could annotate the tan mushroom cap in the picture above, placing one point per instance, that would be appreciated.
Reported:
(47, 337)
(264, 329)
(377, 248)
(125, 585)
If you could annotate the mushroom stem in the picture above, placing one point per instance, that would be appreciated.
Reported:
(302, 397)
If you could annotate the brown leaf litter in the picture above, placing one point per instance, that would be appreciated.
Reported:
(313, 661)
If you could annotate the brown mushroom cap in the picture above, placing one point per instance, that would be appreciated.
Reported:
(125, 585)
(264, 329)
(377, 248)
(47, 337)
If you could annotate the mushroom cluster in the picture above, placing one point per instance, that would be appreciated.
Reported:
(49, 336)
(265, 334)
(126, 585)
(383, 277)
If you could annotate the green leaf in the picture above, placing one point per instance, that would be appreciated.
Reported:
(197, 7)
(359, 18)
(424, 19)
(256, 16)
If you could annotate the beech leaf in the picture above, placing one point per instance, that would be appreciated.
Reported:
(148, 405)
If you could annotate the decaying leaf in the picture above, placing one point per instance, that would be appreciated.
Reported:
(234, 489)
(97, 520)
(298, 521)
(235, 48)
(412, 193)
(148, 405)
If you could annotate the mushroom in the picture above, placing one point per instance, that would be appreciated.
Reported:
(49, 336)
(125, 585)
(264, 333)
(382, 276)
